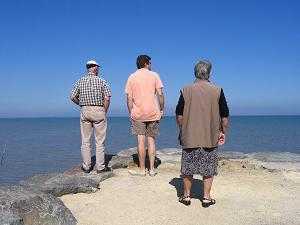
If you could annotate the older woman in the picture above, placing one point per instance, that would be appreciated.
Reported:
(202, 116)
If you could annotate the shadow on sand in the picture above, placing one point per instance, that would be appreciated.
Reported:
(135, 158)
(107, 159)
(197, 188)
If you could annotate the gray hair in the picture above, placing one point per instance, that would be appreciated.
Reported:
(202, 69)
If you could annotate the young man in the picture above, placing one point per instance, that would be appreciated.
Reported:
(142, 89)
(92, 94)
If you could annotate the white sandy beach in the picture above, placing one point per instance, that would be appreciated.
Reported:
(244, 196)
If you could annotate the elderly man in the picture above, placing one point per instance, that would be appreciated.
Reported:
(202, 116)
(92, 94)
(142, 88)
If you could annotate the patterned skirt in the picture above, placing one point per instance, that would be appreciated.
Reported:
(203, 161)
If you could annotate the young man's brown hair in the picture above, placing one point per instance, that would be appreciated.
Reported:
(142, 60)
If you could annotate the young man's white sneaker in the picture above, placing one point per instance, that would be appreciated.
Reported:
(152, 173)
(137, 172)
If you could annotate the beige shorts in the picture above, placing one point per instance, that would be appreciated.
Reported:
(149, 128)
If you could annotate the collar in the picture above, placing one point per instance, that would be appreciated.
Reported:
(200, 80)
(143, 69)
(91, 74)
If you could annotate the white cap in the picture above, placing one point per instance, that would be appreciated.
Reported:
(91, 63)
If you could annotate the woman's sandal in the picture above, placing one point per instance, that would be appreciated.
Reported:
(207, 204)
(186, 200)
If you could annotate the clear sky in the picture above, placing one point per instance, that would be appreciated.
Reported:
(254, 47)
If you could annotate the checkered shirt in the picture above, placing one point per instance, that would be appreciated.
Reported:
(91, 90)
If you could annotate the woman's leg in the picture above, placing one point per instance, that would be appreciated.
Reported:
(187, 184)
(207, 183)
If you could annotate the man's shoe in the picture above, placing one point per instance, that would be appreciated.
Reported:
(85, 170)
(106, 169)
(137, 172)
(152, 173)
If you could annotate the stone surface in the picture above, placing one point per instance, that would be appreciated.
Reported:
(62, 184)
(123, 158)
(120, 161)
(129, 158)
(8, 218)
(231, 155)
(35, 207)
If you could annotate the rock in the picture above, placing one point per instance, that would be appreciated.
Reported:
(77, 169)
(62, 184)
(128, 152)
(123, 158)
(169, 155)
(231, 155)
(129, 158)
(120, 161)
(35, 207)
(8, 218)
(235, 165)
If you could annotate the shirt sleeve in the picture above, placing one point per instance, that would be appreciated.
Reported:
(75, 91)
(106, 89)
(224, 111)
(158, 83)
(180, 105)
(128, 88)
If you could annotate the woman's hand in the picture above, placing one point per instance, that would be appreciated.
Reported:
(222, 139)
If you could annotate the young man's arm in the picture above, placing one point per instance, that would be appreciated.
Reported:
(161, 100)
(129, 104)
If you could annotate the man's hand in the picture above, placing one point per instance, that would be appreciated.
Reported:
(222, 139)
(75, 100)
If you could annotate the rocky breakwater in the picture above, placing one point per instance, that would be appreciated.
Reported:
(35, 201)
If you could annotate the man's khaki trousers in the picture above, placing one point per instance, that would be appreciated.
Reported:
(93, 117)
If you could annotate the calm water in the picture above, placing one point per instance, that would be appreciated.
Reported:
(47, 145)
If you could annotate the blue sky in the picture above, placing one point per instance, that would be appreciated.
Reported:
(253, 46)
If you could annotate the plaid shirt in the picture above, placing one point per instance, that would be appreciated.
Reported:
(91, 90)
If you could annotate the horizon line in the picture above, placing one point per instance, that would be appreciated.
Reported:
(63, 117)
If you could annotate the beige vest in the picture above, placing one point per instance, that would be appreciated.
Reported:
(201, 116)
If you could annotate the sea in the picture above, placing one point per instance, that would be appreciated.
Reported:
(31, 146)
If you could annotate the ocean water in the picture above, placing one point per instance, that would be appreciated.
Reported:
(49, 145)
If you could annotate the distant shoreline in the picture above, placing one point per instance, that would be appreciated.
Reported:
(77, 117)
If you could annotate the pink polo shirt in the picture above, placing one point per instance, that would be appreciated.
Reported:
(141, 86)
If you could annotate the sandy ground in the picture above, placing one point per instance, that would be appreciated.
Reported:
(243, 195)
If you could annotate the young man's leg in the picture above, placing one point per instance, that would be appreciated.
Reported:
(151, 151)
(141, 151)
(138, 129)
(152, 131)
